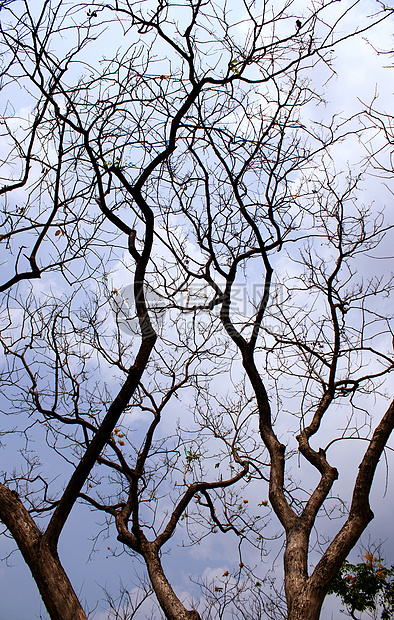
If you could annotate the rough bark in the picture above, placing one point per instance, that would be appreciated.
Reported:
(169, 602)
(307, 606)
(55, 588)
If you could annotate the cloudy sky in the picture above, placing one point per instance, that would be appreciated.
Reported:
(360, 74)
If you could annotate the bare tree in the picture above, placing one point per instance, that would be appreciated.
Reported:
(196, 249)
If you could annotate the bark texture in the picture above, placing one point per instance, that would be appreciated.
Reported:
(306, 606)
(169, 602)
(55, 588)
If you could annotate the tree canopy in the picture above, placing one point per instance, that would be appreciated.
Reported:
(195, 296)
(365, 586)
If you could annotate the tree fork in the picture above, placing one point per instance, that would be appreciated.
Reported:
(54, 586)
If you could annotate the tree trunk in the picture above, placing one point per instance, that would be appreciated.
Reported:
(169, 602)
(55, 588)
(306, 606)
(304, 594)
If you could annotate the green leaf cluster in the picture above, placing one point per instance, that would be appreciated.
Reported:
(192, 456)
(364, 586)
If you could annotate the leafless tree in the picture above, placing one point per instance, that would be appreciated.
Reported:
(196, 250)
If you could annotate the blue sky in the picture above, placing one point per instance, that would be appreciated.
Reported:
(360, 73)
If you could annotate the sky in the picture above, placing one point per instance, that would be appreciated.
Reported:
(360, 73)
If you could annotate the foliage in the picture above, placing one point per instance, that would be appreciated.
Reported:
(364, 586)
